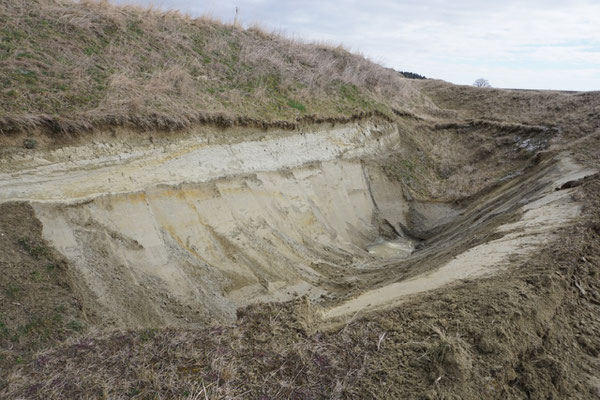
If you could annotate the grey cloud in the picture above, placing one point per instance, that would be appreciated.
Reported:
(457, 41)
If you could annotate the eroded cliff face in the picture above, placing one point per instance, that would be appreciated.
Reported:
(128, 162)
(185, 230)
(200, 250)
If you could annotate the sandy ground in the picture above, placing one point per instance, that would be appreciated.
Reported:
(269, 220)
(82, 172)
(543, 212)
(351, 255)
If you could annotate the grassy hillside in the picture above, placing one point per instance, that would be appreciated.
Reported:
(576, 113)
(67, 66)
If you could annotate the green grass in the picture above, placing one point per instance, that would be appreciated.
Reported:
(34, 250)
(36, 276)
(75, 325)
(12, 291)
(296, 105)
(3, 329)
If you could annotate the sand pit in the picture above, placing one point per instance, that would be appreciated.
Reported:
(187, 232)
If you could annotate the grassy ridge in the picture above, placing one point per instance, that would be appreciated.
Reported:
(69, 66)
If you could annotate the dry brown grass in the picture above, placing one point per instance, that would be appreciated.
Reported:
(526, 334)
(472, 138)
(69, 66)
(39, 306)
(573, 113)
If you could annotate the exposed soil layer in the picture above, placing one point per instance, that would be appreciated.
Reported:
(445, 256)
(181, 233)
(530, 332)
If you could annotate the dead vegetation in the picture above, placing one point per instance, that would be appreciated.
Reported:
(70, 66)
(531, 332)
(571, 114)
(39, 306)
(533, 336)
(447, 162)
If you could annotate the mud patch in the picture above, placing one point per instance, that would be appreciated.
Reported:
(389, 249)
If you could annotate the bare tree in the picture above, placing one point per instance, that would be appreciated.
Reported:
(481, 82)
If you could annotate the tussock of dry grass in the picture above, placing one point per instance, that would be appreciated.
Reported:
(525, 335)
(70, 66)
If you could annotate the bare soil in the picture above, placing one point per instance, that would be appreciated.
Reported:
(530, 332)
(132, 269)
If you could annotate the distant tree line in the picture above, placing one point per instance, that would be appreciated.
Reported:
(411, 75)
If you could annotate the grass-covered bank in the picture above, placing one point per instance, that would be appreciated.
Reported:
(68, 66)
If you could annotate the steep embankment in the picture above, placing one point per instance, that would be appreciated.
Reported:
(70, 67)
(190, 181)
(529, 332)
(40, 303)
(199, 230)
(186, 229)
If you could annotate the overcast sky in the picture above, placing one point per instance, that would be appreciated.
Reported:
(538, 44)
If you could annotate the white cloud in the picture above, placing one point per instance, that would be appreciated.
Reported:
(534, 44)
